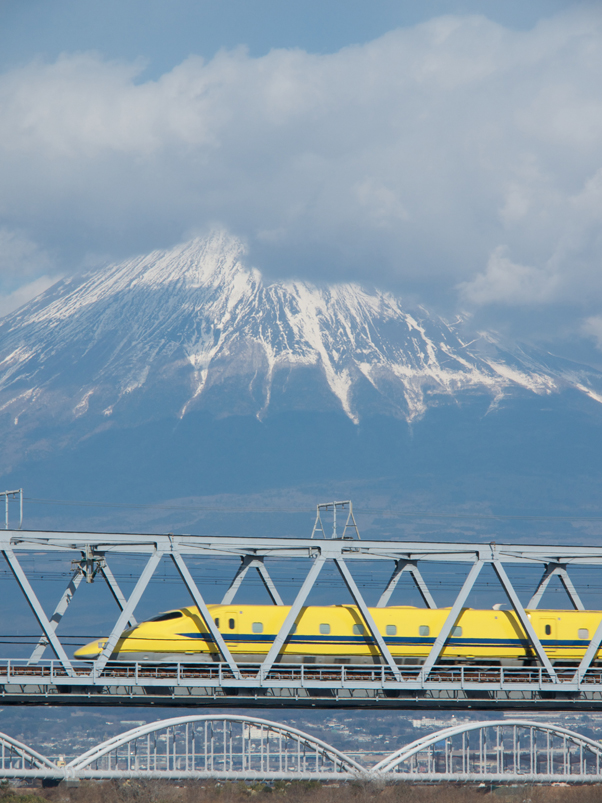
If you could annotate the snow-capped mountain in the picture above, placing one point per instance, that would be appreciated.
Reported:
(193, 328)
(184, 373)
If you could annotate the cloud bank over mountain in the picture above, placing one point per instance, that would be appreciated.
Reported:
(457, 160)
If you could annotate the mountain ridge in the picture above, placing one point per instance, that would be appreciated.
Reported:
(183, 373)
(194, 328)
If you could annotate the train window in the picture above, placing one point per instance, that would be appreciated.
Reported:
(231, 624)
(216, 621)
(324, 629)
(257, 627)
(456, 632)
(391, 630)
(165, 617)
(583, 632)
(548, 630)
(424, 630)
(358, 630)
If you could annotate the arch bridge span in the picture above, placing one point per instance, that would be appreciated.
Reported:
(229, 747)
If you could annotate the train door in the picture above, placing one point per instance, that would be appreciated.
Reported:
(229, 625)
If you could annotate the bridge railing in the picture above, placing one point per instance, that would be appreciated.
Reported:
(219, 673)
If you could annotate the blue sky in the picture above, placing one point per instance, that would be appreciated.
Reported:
(167, 31)
(448, 151)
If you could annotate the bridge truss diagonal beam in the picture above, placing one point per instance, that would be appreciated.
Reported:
(289, 620)
(58, 614)
(38, 610)
(410, 566)
(524, 619)
(204, 612)
(251, 562)
(559, 570)
(115, 590)
(589, 655)
(451, 620)
(127, 611)
(367, 616)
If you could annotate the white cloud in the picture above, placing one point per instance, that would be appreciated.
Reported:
(24, 293)
(506, 282)
(408, 160)
(20, 257)
(592, 327)
(25, 270)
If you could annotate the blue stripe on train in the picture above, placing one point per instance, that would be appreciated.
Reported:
(249, 638)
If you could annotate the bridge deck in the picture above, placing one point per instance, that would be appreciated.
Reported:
(298, 685)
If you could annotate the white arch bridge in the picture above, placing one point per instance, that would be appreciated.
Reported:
(230, 747)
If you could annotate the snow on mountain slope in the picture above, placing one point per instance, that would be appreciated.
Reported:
(193, 328)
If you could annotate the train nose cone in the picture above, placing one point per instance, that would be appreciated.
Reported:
(91, 650)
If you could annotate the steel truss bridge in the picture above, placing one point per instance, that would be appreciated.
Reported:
(247, 748)
(384, 684)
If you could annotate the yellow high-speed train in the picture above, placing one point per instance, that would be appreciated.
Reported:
(337, 634)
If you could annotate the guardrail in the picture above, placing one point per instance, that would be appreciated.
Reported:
(467, 686)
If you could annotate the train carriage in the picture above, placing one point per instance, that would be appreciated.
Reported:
(338, 634)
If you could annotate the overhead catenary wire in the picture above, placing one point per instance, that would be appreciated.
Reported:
(304, 510)
(290, 582)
